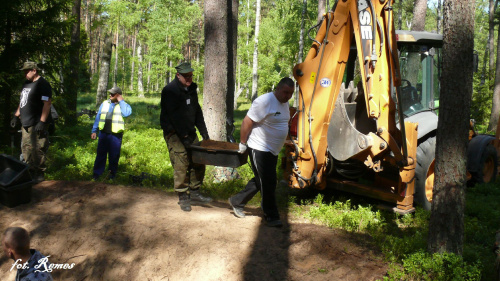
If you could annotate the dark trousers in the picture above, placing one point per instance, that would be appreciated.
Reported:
(187, 175)
(264, 170)
(34, 148)
(108, 145)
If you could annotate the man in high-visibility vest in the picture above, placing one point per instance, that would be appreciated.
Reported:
(109, 122)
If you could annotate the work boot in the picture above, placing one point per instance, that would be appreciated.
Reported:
(196, 196)
(184, 201)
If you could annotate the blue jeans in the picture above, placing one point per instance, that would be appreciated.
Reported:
(108, 145)
(264, 170)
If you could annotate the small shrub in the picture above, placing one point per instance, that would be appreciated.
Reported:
(436, 267)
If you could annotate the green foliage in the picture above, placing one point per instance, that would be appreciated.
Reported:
(403, 239)
(72, 152)
(436, 267)
(344, 215)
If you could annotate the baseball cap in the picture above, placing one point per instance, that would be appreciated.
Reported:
(29, 65)
(115, 90)
(184, 67)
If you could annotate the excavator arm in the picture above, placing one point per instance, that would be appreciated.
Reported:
(321, 115)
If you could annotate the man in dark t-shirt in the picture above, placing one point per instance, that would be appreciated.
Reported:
(34, 112)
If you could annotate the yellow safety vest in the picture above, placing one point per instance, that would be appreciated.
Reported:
(117, 123)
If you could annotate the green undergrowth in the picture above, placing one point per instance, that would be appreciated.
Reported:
(144, 159)
(145, 162)
(403, 239)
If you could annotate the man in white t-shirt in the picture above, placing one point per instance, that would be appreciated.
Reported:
(263, 133)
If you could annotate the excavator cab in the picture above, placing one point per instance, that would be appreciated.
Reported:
(419, 60)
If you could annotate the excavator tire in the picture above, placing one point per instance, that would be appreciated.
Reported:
(424, 173)
(488, 166)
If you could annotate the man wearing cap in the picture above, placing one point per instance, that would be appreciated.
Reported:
(109, 122)
(180, 114)
(33, 113)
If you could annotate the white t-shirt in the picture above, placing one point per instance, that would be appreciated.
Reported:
(272, 117)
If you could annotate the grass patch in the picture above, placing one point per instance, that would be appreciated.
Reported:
(144, 154)
(403, 239)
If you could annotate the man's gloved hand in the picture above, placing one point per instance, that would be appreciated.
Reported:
(187, 141)
(243, 148)
(205, 136)
(41, 126)
(15, 121)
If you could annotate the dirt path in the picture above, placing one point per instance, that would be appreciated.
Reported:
(129, 233)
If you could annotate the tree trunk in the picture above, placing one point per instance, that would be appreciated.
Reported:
(117, 44)
(74, 63)
(484, 71)
(400, 17)
(140, 86)
(232, 11)
(255, 77)
(321, 9)
(218, 62)
(134, 45)
(495, 107)
(439, 16)
(301, 38)
(491, 39)
(102, 85)
(148, 86)
(419, 10)
(417, 24)
(446, 226)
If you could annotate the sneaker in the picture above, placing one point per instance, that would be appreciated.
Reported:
(274, 223)
(237, 211)
(184, 201)
(197, 196)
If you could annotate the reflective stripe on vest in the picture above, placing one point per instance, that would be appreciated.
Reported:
(117, 123)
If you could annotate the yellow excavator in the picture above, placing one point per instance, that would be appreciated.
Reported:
(369, 127)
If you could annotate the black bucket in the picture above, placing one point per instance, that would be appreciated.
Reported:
(15, 182)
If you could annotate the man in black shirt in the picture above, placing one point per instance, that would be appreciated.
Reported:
(180, 114)
(34, 112)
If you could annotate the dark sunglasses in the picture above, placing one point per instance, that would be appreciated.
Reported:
(111, 94)
(187, 76)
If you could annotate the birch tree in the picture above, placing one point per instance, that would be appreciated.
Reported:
(255, 77)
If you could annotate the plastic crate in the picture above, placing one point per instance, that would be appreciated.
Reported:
(13, 196)
(13, 171)
(218, 153)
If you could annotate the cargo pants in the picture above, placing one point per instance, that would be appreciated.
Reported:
(187, 175)
(34, 148)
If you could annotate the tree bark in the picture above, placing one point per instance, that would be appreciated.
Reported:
(134, 45)
(419, 11)
(417, 24)
(74, 59)
(102, 85)
(117, 44)
(255, 77)
(491, 38)
(140, 86)
(148, 86)
(301, 38)
(439, 16)
(446, 226)
(495, 107)
(218, 62)
(321, 9)
(232, 11)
